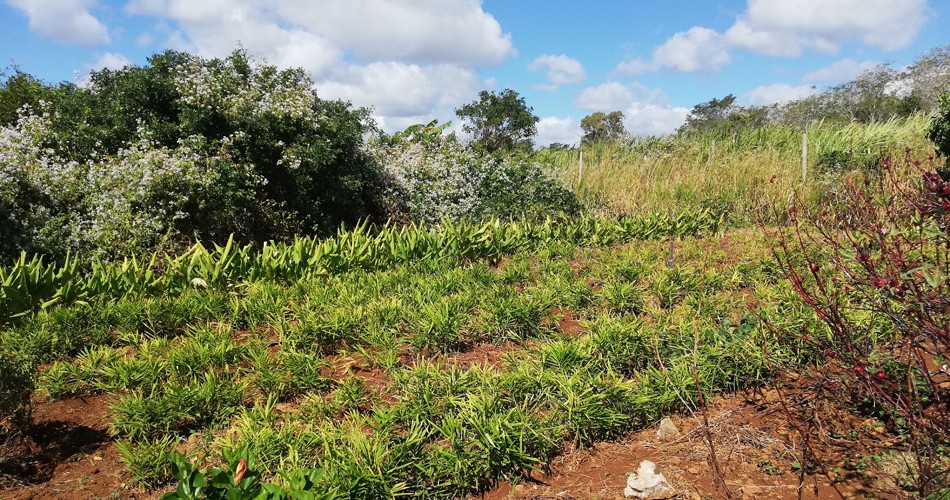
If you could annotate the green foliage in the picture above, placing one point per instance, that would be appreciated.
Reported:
(429, 178)
(145, 157)
(176, 409)
(710, 116)
(500, 121)
(28, 285)
(148, 459)
(16, 386)
(603, 127)
(238, 481)
(939, 131)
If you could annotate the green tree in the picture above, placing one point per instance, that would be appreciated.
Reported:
(939, 131)
(603, 127)
(21, 89)
(500, 121)
(709, 115)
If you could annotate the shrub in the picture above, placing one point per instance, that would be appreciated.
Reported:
(939, 131)
(181, 147)
(875, 271)
(16, 386)
(428, 178)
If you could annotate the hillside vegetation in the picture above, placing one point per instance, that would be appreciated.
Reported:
(220, 285)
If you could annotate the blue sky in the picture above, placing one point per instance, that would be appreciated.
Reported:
(414, 60)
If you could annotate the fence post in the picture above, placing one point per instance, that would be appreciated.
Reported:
(580, 167)
(670, 262)
(804, 155)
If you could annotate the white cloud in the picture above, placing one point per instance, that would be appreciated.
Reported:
(561, 70)
(773, 43)
(66, 21)
(409, 59)
(415, 31)
(401, 90)
(787, 29)
(652, 119)
(699, 49)
(612, 96)
(886, 24)
(552, 129)
(609, 96)
(646, 111)
(110, 60)
(777, 93)
(841, 71)
(783, 28)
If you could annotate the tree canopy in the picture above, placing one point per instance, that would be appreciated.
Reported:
(603, 127)
(500, 121)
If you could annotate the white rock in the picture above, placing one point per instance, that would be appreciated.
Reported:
(648, 484)
(667, 430)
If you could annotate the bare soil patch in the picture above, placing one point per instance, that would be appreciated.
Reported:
(758, 448)
(65, 453)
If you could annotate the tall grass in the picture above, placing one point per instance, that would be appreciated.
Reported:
(738, 173)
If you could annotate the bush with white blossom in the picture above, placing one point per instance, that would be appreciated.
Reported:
(429, 177)
(180, 148)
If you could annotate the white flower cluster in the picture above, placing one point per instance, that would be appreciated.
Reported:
(220, 86)
(119, 201)
(31, 172)
(432, 181)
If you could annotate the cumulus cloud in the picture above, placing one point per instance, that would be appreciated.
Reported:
(401, 90)
(609, 96)
(841, 71)
(66, 21)
(646, 111)
(825, 24)
(110, 60)
(787, 29)
(561, 70)
(652, 119)
(415, 31)
(699, 49)
(552, 129)
(777, 94)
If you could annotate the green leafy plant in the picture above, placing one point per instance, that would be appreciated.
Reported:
(16, 386)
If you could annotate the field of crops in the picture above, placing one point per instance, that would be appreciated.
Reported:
(458, 364)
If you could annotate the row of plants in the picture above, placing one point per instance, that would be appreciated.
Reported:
(253, 371)
(32, 284)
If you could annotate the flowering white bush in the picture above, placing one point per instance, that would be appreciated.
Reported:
(182, 147)
(32, 177)
(429, 178)
(233, 88)
(142, 193)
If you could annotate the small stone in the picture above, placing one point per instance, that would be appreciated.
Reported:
(97, 458)
(667, 430)
(693, 470)
(675, 461)
(648, 483)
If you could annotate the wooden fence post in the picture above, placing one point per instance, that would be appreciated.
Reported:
(804, 155)
(580, 167)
